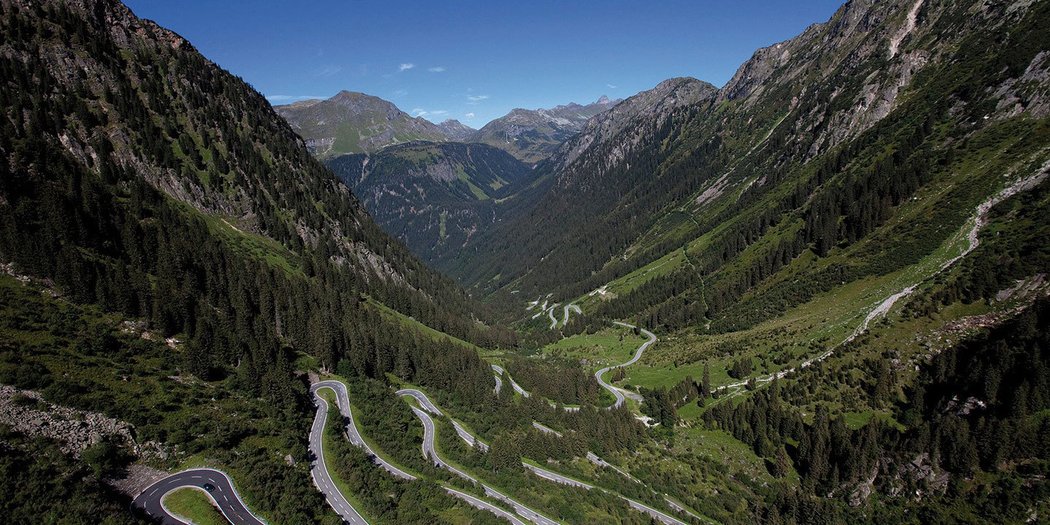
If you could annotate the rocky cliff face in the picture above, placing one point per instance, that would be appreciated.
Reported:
(670, 164)
(619, 130)
(532, 135)
(848, 73)
(456, 130)
(351, 122)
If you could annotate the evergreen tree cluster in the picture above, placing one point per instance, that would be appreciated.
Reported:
(974, 409)
(114, 173)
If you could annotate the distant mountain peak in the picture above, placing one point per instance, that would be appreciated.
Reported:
(354, 122)
(532, 135)
(456, 130)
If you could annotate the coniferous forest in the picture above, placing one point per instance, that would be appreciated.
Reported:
(815, 294)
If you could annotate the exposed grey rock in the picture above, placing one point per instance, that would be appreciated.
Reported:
(532, 135)
(26, 412)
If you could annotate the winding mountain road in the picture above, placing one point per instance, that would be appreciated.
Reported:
(324, 481)
(319, 468)
(517, 388)
(620, 394)
(976, 224)
(355, 437)
(429, 451)
(549, 475)
(570, 308)
(222, 494)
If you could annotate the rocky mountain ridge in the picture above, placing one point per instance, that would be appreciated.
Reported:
(457, 131)
(434, 196)
(789, 104)
(532, 135)
(352, 122)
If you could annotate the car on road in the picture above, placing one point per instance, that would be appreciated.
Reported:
(209, 487)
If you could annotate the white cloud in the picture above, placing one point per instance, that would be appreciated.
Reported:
(406, 66)
(610, 86)
(400, 93)
(475, 99)
(437, 69)
(420, 112)
(469, 115)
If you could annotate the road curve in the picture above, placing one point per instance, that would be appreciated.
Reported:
(429, 451)
(422, 399)
(319, 469)
(223, 495)
(549, 475)
(343, 401)
(570, 308)
(617, 392)
(517, 388)
(325, 484)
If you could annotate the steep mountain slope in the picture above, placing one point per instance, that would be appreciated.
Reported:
(351, 122)
(844, 252)
(456, 130)
(576, 205)
(533, 134)
(433, 196)
(754, 160)
(196, 253)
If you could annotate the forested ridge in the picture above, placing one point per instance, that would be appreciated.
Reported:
(81, 208)
(745, 181)
(844, 335)
(434, 196)
(139, 177)
(975, 408)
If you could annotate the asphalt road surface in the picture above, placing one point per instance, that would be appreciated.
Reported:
(429, 406)
(343, 400)
(319, 469)
(423, 400)
(550, 475)
(619, 393)
(223, 495)
(429, 451)
(517, 388)
(570, 308)
(335, 498)
(483, 505)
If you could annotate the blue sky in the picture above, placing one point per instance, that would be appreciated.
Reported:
(476, 60)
